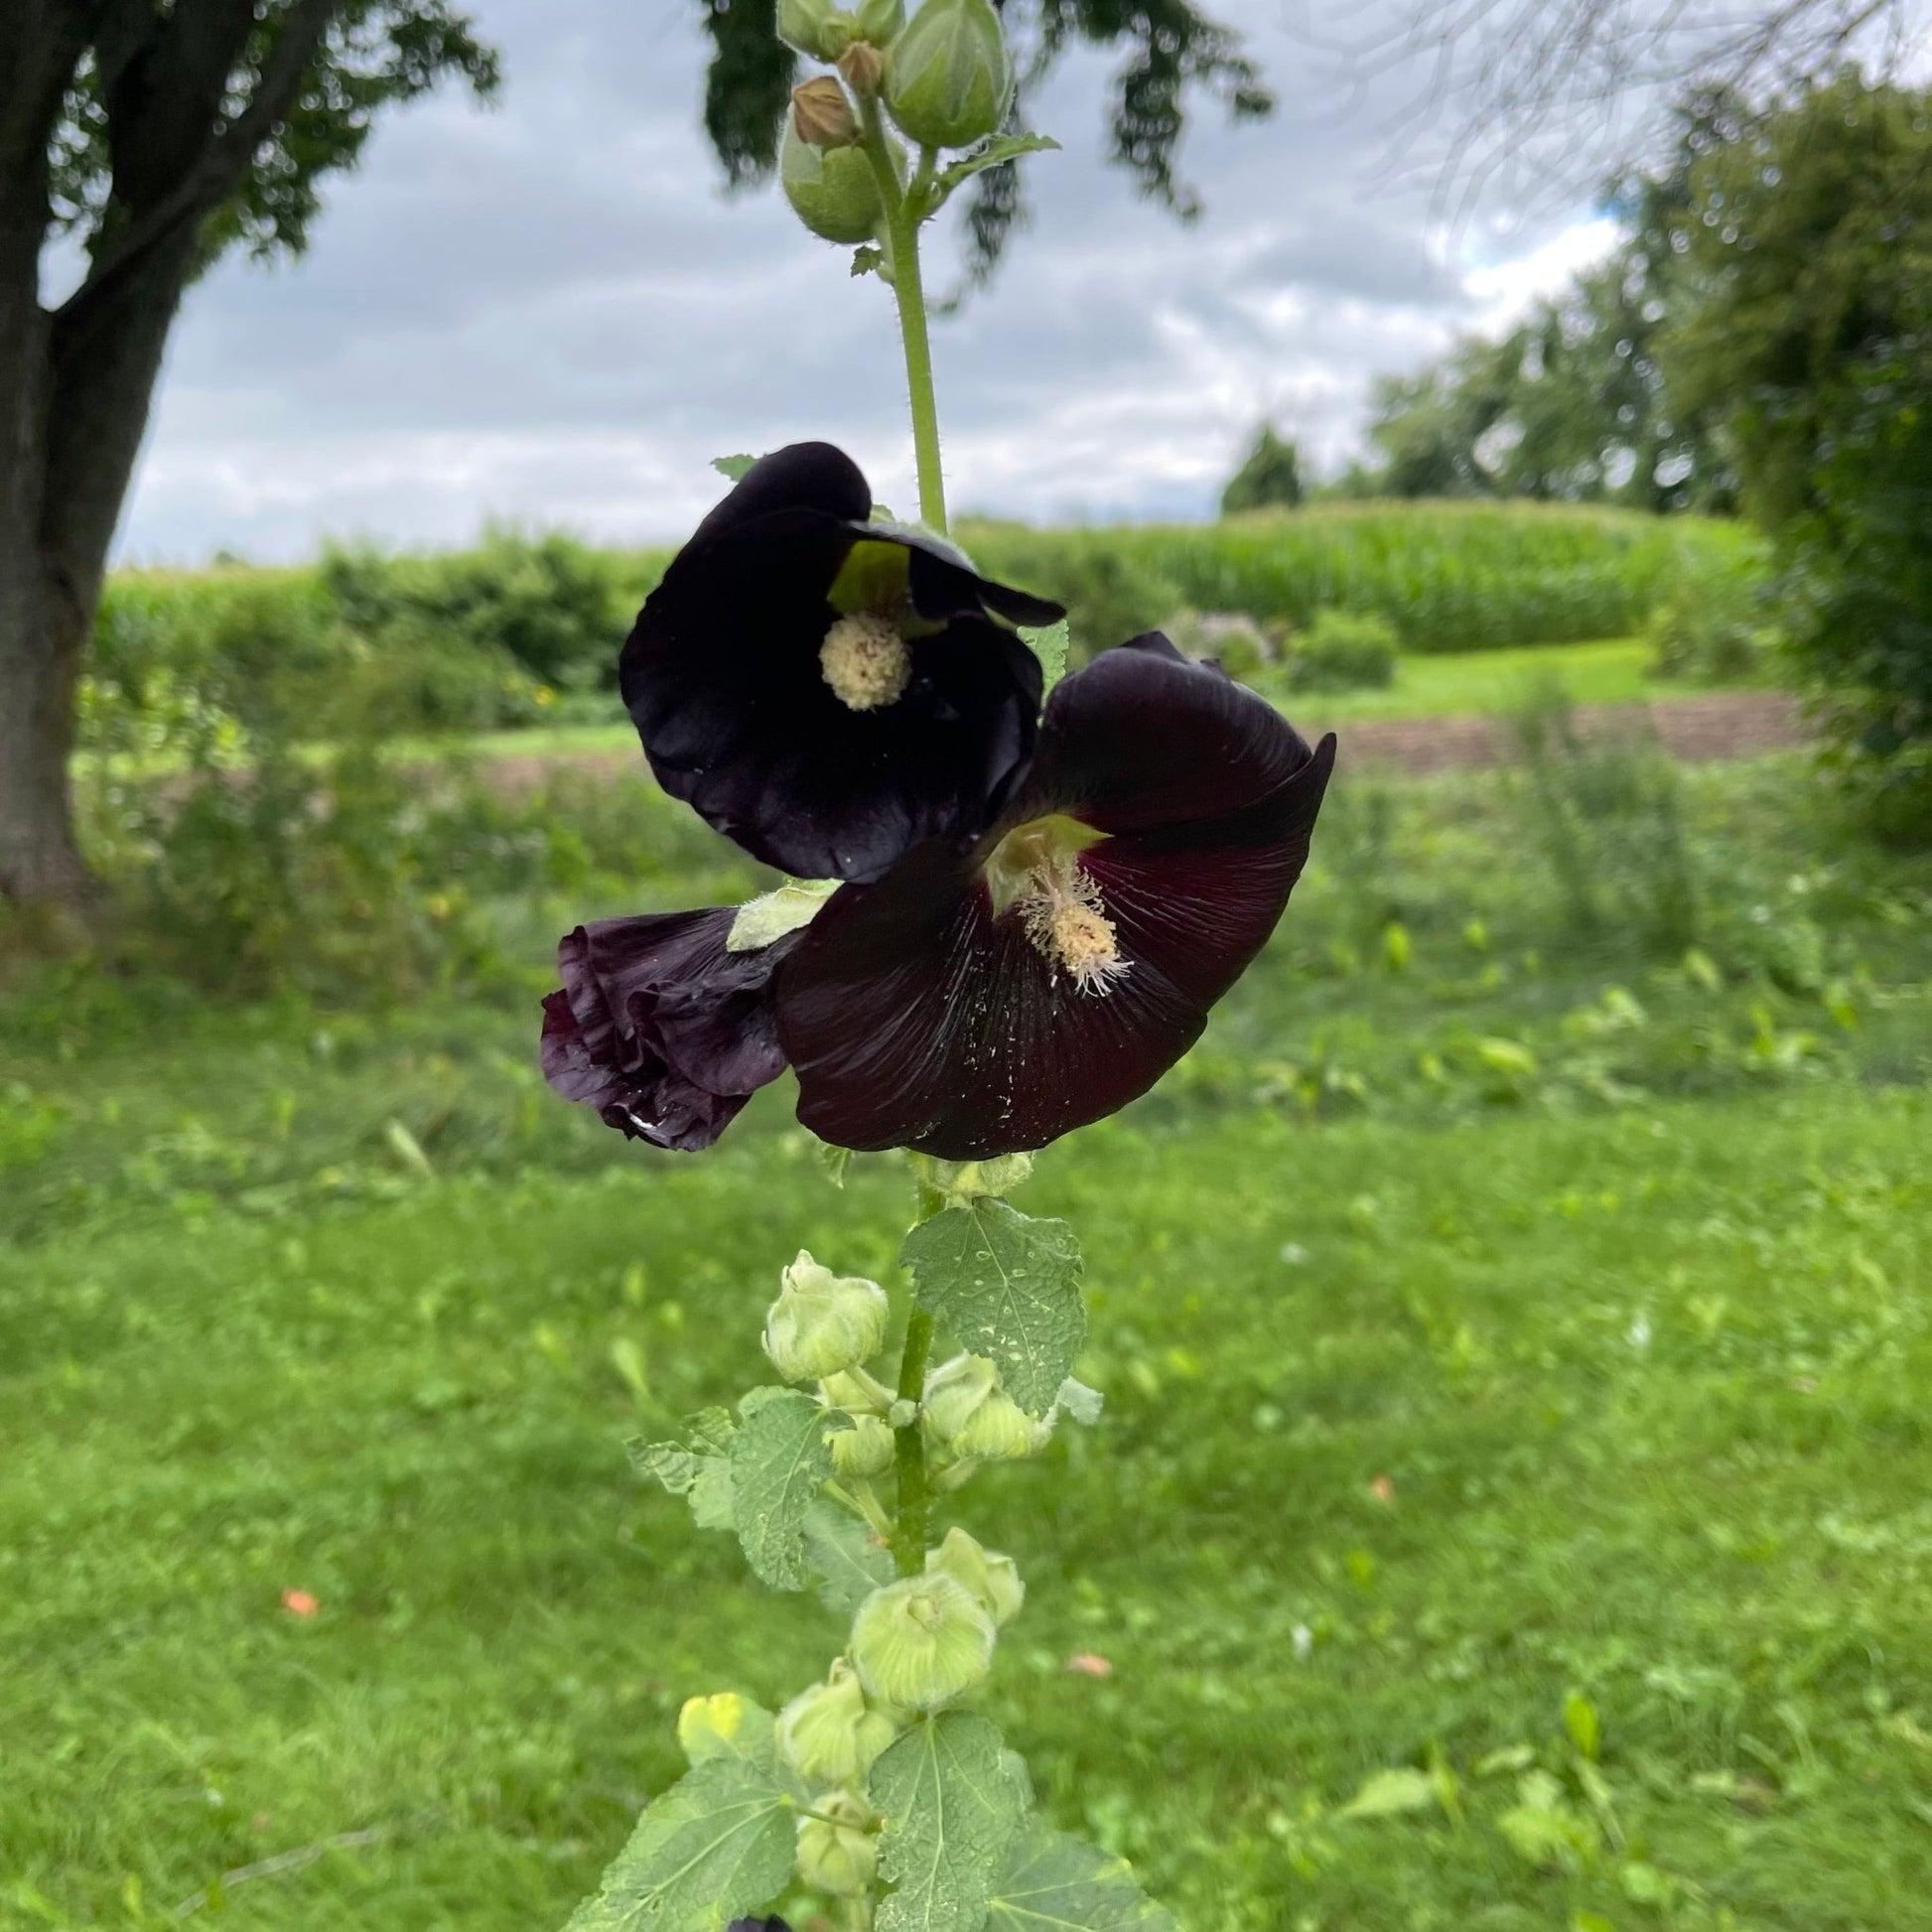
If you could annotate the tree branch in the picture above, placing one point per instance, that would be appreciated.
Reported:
(225, 160)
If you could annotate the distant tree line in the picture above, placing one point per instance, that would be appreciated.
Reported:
(1760, 341)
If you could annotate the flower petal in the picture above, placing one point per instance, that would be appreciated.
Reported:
(1145, 738)
(649, 1103)
(802, 476)
(660, 1026)
(723, 680)
(916, 1018)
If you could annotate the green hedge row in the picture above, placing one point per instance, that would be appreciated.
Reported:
(523, 629)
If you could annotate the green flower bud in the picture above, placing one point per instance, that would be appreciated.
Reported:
(968, 1413)
(822, 113)
(816, 28)
(839, 1853)
(948, 74)
(992, 1578)
(921, 1642)
(828, 1735)
(880, 21)
(823, 1323)
(866, 1448)
(831, 190)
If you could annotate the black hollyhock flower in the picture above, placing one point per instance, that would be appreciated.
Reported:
(828, 691)
(660, 1026)
(986, 998)
(758, 1925)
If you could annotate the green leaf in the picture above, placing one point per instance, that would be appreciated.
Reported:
(1054, 1881)
(711, 1496)
(996, 154)
(1580, 1719)
(698, 1468)
(867, 260)
(780, 1460)
(771, 916)
(1048, 642)
(1388, 1794)
(848, 1563)
(670, 1464)
(718, 1846)
(1009, 1288)
(836, 1161)
(732, 467)
(953, 1799)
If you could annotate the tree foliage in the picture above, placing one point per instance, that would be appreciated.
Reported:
(1171, 53)
(151, 138)
(1571, 405)
(1806, 238)
(1270, 476)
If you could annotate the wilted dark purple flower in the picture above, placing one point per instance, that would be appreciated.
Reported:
(987, 997)
(660, 1026)
(825, 690)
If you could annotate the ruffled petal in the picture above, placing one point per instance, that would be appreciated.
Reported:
(648, 1103)
(662, 1027)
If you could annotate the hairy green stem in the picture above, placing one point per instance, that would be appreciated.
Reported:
(901, 241)
(909, 1533)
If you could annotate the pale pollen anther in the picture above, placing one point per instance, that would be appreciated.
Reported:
(866, 662)
(1064, 917)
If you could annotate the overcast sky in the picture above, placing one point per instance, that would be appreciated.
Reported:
(548, 312)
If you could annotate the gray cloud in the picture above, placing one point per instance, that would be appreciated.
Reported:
(550, 312)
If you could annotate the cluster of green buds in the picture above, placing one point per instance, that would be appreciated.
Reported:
(944, 80)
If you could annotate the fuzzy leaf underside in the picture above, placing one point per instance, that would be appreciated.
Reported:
(1056, 1884)
(849, 1565)
(719, 1844)
(1008, 1289)
(953, 1799)
(780, 1460)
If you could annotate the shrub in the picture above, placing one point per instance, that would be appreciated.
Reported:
(1713, 625)
(1608, 817)
(549, 605)
(1112, 590)
(1344, 653)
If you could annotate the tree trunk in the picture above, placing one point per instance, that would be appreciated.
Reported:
(40, 643)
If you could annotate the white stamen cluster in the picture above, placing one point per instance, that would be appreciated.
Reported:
(1064, 916)
(866, 662)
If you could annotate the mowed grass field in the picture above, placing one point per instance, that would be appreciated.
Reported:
(1516, 1335)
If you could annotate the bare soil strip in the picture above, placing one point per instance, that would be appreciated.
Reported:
(1718, 724)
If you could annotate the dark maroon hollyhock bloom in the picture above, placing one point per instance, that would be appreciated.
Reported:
(828, 691)
(660, 1026)
(758, 1925)
(985, 999)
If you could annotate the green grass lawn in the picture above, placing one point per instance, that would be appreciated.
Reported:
(1515, 1341)
(1442, 685)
